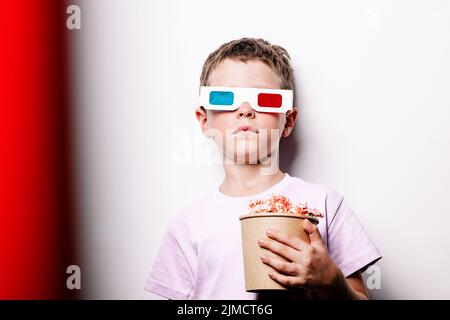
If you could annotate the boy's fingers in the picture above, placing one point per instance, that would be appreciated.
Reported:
(292, 241)
(312, 230)
(284, 267)
(279, 248)
(286, 281)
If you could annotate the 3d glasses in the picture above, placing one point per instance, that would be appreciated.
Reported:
(260, 99)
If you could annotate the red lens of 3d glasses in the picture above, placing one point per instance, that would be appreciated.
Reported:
(270, 100)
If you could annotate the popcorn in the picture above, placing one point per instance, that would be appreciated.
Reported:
(277, 203)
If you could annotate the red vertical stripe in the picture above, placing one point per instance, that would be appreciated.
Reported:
(34, 202)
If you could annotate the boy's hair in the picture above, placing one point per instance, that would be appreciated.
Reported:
(248, 49)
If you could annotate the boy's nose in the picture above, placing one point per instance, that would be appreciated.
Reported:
(245, 110)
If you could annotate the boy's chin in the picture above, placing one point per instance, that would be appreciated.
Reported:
(247, 158)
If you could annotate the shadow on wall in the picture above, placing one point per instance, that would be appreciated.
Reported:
(289, 149)
(290, 146)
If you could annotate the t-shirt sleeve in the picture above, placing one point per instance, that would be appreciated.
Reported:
(173, 272)
(349, 245)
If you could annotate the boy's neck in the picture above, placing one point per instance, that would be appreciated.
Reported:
(246, 180)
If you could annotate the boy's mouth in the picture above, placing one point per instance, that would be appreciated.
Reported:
(245, 129)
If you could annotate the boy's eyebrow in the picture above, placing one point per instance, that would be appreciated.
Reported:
(256, 87)
(264, 87)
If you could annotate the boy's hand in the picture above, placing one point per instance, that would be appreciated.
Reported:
(309, 266)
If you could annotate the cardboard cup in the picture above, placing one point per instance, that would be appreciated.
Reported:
(253, 227)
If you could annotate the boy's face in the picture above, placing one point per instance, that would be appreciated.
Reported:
(241, 133)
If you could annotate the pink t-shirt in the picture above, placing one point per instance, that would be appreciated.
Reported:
(200, 256)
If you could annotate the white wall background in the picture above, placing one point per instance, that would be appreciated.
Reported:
(373, 80)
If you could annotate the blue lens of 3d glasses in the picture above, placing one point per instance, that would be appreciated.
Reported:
(221, 98)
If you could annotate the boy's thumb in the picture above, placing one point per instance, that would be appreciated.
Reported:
(312, 230)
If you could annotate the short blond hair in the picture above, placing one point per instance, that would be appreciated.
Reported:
(248, 49)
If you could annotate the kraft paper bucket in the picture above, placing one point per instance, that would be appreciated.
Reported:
(253, 227)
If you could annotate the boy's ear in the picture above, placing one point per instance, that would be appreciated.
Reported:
(202, 118)
(291, 117)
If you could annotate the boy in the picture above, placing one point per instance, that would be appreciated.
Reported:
(201, 254)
